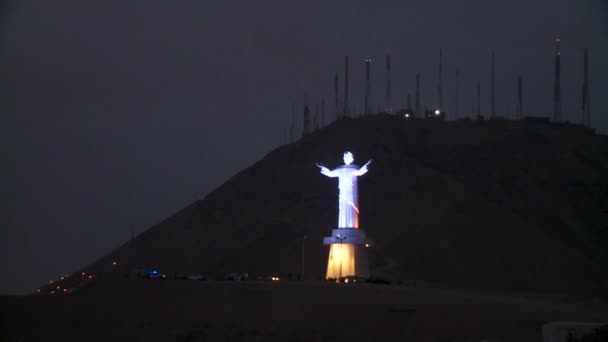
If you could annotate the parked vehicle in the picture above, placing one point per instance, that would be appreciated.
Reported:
(196, 277)
(233, 276)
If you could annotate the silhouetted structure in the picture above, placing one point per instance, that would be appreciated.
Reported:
(346, 109)
(336, 96)
(322, 117)
(493, 105)
(292, 127)
(368, 88)
(407, 112)
(478, 109)
(389, 107)
(520, 97)
(409, 101)
(315, 120)
(557, 95)
(417, 109)
(537, 119)
(434, 114)
(457, 94)
(342, 107)
(585, 100)
(306, 122)
(440, 81)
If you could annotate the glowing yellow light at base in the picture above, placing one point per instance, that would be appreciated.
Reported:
(341, 262)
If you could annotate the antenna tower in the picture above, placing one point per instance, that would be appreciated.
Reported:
(557, 95)
(368, 87)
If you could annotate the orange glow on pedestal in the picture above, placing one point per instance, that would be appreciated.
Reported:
(341, 262)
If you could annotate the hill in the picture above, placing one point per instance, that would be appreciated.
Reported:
(503, 205)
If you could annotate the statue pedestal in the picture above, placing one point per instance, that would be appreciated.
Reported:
(347, 253)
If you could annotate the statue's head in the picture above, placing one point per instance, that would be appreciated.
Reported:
(348, 158)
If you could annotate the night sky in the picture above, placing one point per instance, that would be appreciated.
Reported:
(116, 113)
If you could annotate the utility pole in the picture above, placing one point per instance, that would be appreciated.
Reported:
(389, 108)
(303, 269)
(315, 121)
(585, 102)
(322, 119)
(368, 87)
(292, 127)
(557, 95)
(306, 123)
(417, 94)
(336, 96)
(478, 99)
(346, 109)
(440, 83)
(493, 109)
(457, 104)
(520, 97)
(134, 258)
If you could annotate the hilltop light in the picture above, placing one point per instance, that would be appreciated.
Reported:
(407, 115)
(437, 112)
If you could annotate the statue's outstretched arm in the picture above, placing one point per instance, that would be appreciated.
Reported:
(326, 171)
(363, 169)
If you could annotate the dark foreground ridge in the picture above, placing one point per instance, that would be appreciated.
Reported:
(494, 205)
(189, 311)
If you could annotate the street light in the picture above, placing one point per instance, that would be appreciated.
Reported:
(303, 255)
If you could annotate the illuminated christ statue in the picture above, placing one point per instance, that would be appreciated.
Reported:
(348, 216)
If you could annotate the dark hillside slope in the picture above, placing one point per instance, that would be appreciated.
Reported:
(492, 205)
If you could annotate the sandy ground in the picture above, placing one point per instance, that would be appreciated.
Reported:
(285, 311)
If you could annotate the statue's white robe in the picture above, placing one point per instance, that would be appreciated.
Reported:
(348, 201)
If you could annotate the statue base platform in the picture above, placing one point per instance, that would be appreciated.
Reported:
(347, 253)
(346, 235)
